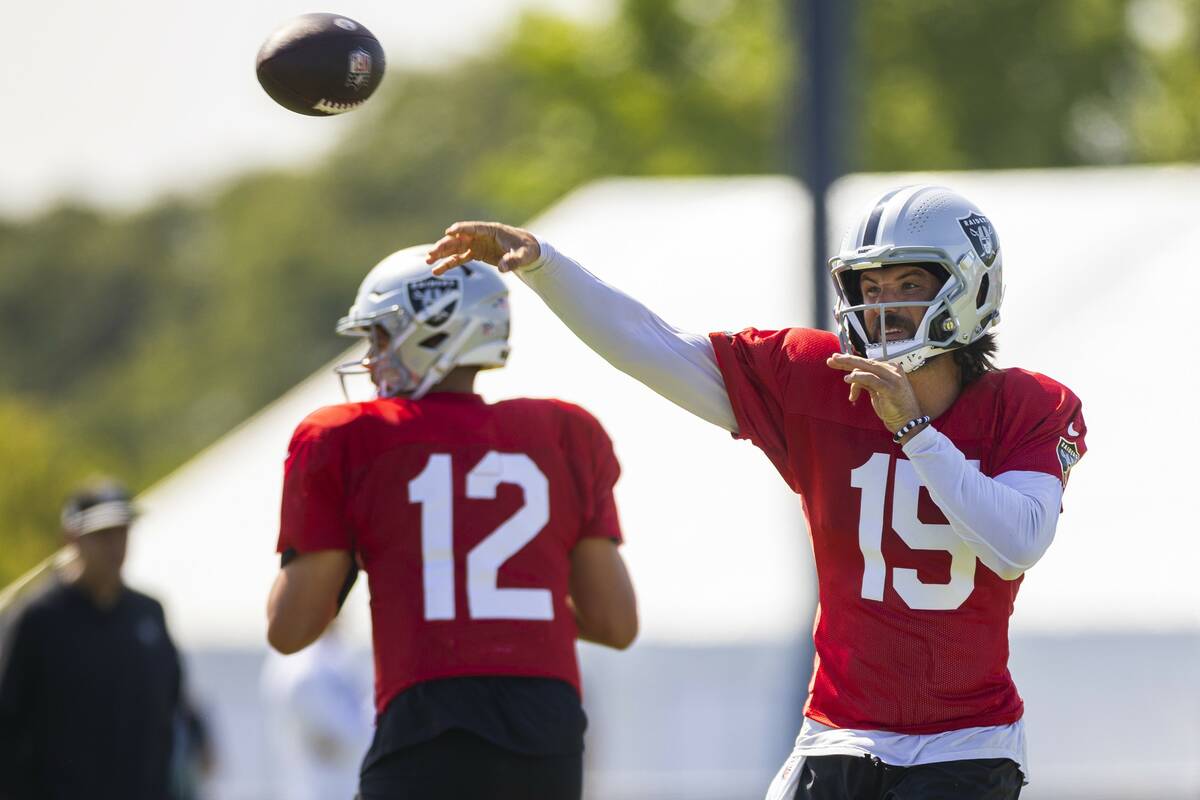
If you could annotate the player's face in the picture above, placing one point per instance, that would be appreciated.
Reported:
(896, 284)
(378, 341)
(103, 552)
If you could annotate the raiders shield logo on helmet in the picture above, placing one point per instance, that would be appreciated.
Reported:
(426, 292)
(981, 235)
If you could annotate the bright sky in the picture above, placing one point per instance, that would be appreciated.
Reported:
(121, 100)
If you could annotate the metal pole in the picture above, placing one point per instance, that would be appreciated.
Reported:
(825, 32)
(822, 35)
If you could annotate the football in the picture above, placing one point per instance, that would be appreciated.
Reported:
(320, 65)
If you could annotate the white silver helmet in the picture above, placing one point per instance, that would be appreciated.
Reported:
(941, 231)
(433, 324)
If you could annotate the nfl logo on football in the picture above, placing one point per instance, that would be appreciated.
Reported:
(359, 72)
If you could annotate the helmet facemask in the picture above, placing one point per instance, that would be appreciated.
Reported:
(384, 336)
(935, 333)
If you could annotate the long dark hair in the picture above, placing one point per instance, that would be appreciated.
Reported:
(976, 358)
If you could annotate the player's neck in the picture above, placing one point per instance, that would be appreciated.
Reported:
(460, 381)
(102, 588)
(937, 384)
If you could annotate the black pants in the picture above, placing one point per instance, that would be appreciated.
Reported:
(866, 778)
(461, 766)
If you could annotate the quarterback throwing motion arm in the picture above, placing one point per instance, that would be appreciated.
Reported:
(1008, 520)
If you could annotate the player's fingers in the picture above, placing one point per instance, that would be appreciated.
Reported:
(473, 228)
(847, 362)
(890, 374)
(450, 262)
(446, 246)
(867, 380)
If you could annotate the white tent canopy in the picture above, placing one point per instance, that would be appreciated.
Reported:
(715, 540)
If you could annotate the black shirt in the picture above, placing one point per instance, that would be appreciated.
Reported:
(532, 716)
(87, 698)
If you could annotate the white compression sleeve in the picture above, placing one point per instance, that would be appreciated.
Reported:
(680, 366)
(1008, 520)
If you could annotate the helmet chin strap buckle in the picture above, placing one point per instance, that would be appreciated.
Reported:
(911, 362)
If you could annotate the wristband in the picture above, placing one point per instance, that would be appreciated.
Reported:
(909, 426)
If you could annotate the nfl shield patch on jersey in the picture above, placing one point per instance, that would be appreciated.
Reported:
(1068, 456)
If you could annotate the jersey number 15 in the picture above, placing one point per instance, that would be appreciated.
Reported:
(871, 478)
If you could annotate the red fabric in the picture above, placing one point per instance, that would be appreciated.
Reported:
(346, 487)
(882, 664)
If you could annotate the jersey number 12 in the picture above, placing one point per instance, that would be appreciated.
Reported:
(434, 492)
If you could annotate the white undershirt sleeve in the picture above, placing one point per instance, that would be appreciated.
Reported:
(680, 366)
(1008, 520)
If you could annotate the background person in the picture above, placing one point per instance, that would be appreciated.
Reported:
(319, 719)
(90, 680)
(489, 535)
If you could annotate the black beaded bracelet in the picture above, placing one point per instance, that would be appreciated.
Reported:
(908, 426)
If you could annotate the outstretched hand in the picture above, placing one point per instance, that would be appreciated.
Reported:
(891, 394)
(502, 246)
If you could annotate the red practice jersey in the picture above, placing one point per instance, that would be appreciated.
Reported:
(463, 515)
(912, 629)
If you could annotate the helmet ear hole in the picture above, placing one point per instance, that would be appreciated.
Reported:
(981, 297)
(433, 342)
(939, 327)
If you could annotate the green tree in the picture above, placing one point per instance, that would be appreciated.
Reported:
(1026, 83)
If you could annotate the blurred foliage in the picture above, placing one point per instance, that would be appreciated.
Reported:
(130, 342)
(1027, 83)
(40, 460)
